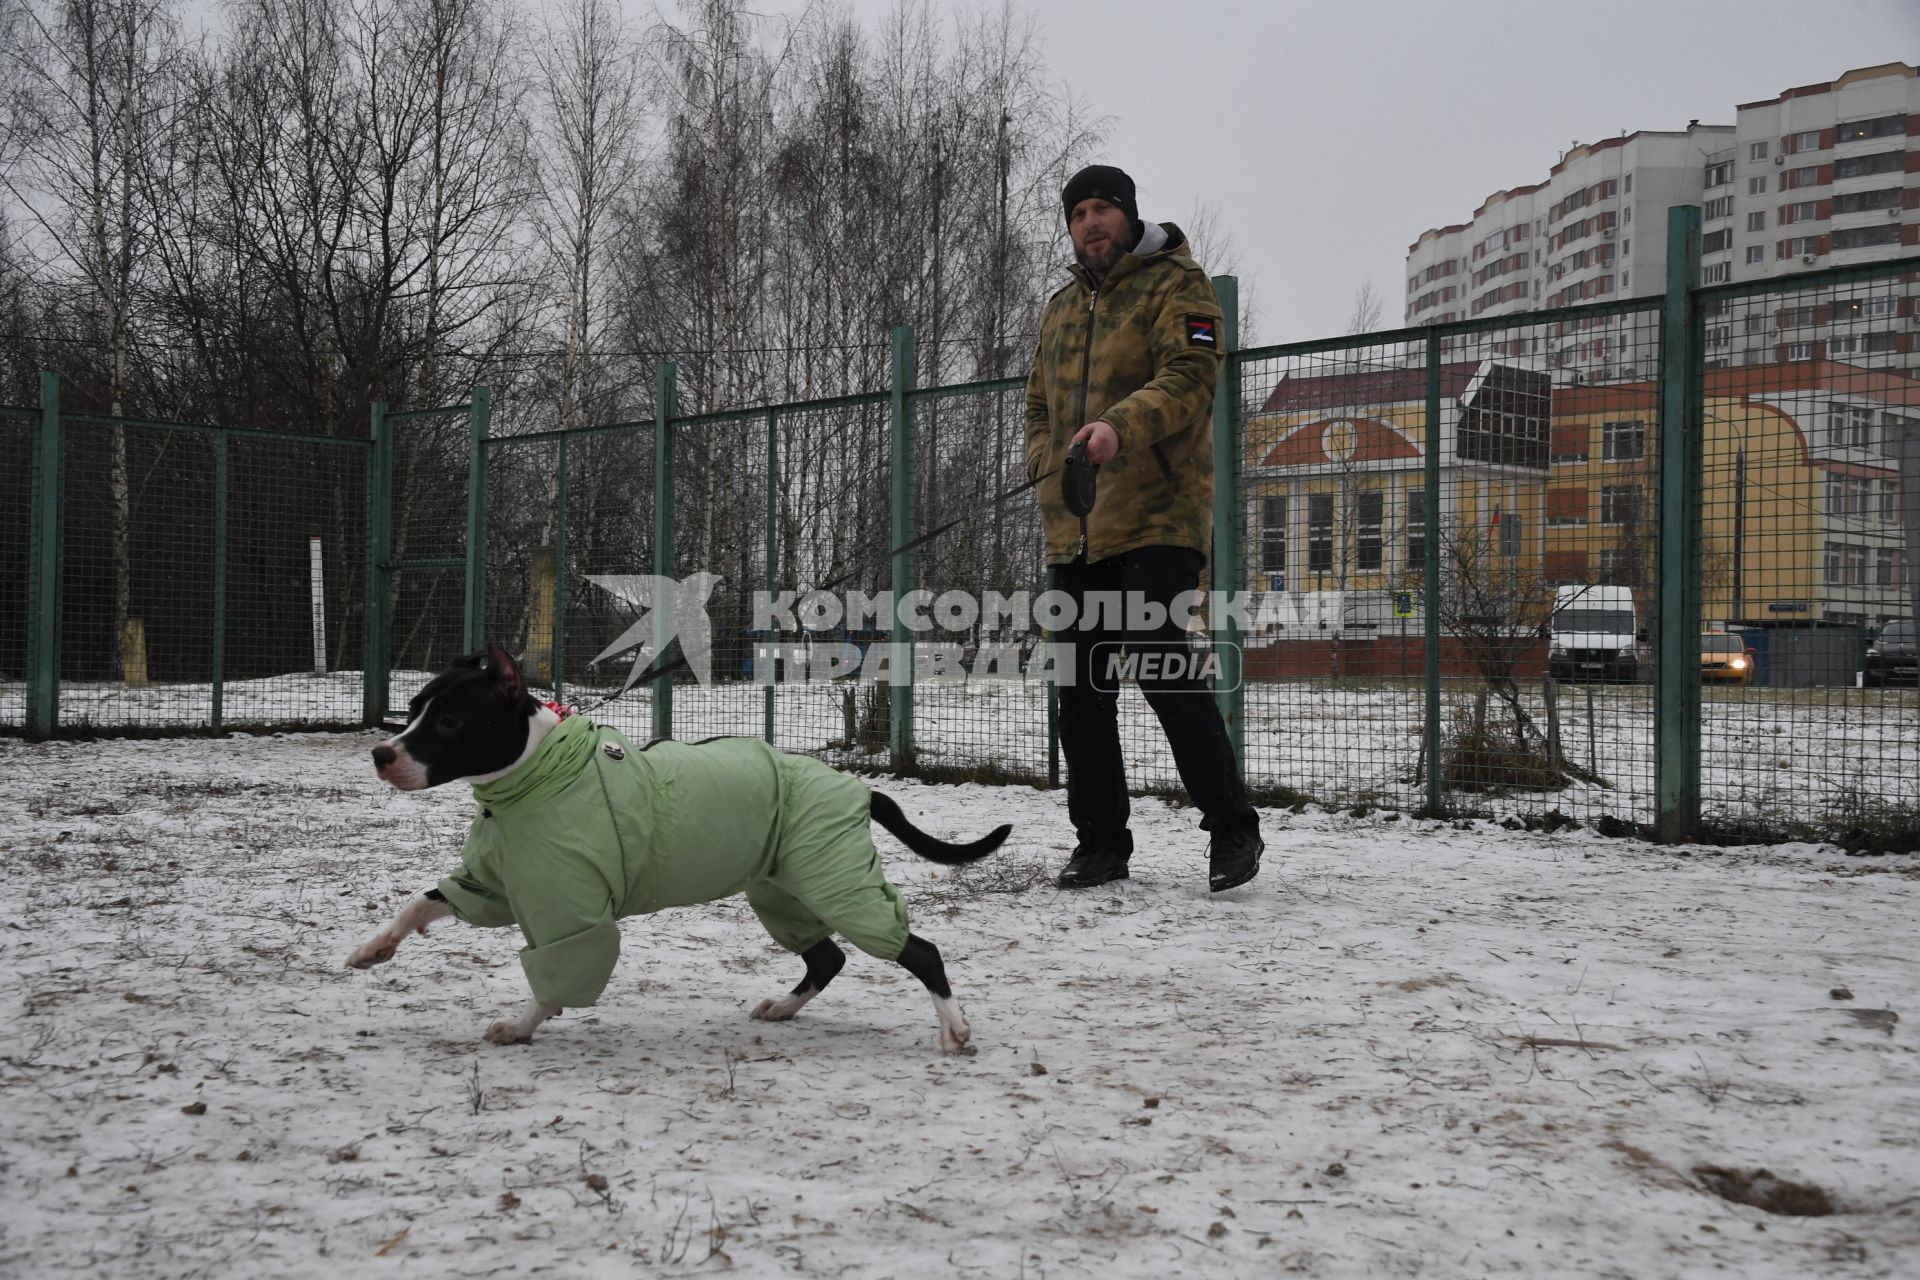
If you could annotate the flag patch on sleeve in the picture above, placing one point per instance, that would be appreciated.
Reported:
(1203, 331)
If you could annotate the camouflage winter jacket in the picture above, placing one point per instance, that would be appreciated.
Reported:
(1139, 353)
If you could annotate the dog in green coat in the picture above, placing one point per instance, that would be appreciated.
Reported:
(578, 828)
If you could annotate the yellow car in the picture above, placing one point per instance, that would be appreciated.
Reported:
(1725, 659)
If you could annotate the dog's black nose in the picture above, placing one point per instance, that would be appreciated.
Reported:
(383, 756)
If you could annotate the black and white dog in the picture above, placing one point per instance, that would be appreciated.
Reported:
(477, 722)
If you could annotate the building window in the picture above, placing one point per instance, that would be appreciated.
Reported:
(1718, 175)
(1879, 127)
(1890, 502)
(1796, 317)
(1319, 533)
(1845, 564)
(1416, 530)
(1622, 440)
(1756, 186)
(1849, 497)
(1620, 504)
(1369, 508)
(1799, 351)
(1714, 273)
(1620, 568)
(1804, 211)
(1855, 428)
(1757, 151)
(1808, 176)
(1865, 308)
(1273, 534)
(1808, 141)
(1880, 343)
(1863, 166)
(1757, 220)
(1862, 201)
(1510, 531)
(1756, 253)
(1628, 188)
(1843, 345)
(1864, 237)
(1720, 207)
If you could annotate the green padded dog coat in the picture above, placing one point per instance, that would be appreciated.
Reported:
(592, 829)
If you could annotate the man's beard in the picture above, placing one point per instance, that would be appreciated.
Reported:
(1098, 264)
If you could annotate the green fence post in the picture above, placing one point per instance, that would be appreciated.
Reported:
(219, 576)
(559, 659)
(1228, 571)
(1676, 622)
(479, 416)
(378, 595)
(43, 567)
(900, 654)
(773, 562)
(1430, 585)
(664, 388)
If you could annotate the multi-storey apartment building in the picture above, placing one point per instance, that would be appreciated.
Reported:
(1823, 175)
(1594, 228)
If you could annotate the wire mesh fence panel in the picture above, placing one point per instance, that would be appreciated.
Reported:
(428, 543)
(978, 712)
(605, 486)
(292, 613)
(16, 544)
(1810, 715)
(1333, 510)
(523, 541)
(1337, 493)
(136, 578)
(720, 523)
(832, 536)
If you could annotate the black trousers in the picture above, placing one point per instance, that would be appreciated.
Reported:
(1089, 726)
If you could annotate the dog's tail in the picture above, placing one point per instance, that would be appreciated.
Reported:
(887, 814)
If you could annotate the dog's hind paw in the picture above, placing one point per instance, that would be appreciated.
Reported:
(507, 1031)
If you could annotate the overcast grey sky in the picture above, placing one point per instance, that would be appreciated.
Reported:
(1328, 135)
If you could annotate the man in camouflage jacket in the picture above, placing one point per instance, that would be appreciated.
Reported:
(1127, 358)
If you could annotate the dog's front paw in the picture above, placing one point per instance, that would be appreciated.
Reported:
(374, 951)
(508, 1031)
(955, 1035)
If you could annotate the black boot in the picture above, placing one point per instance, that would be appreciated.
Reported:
(1234, 857)
(1094, 862)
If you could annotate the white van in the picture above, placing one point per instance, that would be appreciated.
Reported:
(1593, 634)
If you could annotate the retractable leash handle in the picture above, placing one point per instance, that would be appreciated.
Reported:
(1078, 479)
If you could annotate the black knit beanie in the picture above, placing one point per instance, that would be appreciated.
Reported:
(1102, 182)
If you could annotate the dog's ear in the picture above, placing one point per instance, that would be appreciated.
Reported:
(499, 664)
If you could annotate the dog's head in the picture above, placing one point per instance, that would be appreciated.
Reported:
(472, 719)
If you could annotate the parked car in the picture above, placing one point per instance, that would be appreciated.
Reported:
(1890, 659)
(1725, 659)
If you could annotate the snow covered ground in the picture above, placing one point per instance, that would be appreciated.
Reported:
(1406, 1049)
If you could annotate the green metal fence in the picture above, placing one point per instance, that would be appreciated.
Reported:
(1482, 567)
